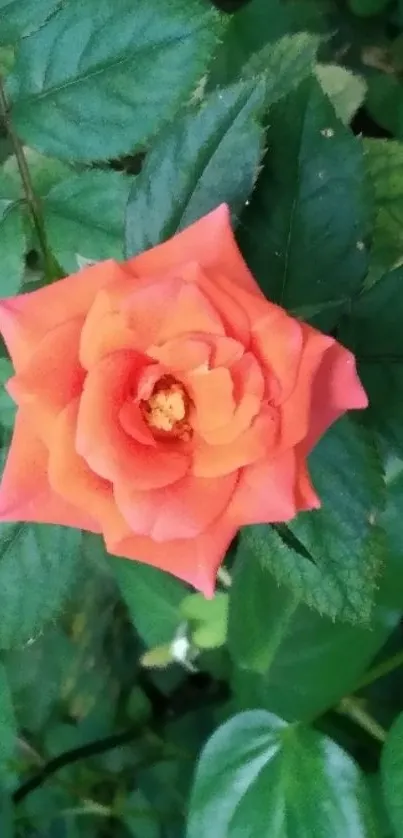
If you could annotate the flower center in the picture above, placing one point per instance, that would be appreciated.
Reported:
(166, 411)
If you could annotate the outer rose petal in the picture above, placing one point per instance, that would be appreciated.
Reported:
(71, 478)
(297, 410)
(210, 242)
(52, 378)
(25, 493)
(336, 388)
(277, 341)
(265, 492)
(183, 510)
(25, 319)
(194, 560)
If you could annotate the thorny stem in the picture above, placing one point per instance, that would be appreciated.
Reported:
(52, 269)
(351, 707)
(381, 670)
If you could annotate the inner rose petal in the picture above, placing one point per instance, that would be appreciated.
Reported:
(212, 395)
(252, 445)
(101, 439)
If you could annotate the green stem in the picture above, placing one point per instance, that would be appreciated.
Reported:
(351, 707)
(381, 670)
(52, 269)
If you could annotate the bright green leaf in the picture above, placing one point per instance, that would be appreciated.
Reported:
(100, 78)
(384, 162)
(37, 567)
(7, 406)
(208, 156)
(84, 215)
(303, 233)
(153, 599)
(208, 619)
(259, 776)
(19, 17)
(392, 775)
(345, 90)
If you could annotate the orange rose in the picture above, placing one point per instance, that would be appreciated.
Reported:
(165, 402)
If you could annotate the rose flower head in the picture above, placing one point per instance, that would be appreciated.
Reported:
(164, 403)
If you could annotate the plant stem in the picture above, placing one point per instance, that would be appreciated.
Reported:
(51, 267)
(381, 670)
(352, 707)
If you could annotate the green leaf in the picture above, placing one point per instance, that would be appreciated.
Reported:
(374, 332)
(19, 17)
(153, 599)
(302, 235)
(384, 162)
(12, 236)
(98, 80)
(7, 816)
(219, 148)
(288, 658)
(392, 775)
(345, 90)
(254, 26)
(392, 523)
(84, 215)
(283, 64)
(259, 776)
(208, 619)
(331, 557)
(37, 567)
(8, 730)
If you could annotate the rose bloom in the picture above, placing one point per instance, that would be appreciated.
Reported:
(164, 402)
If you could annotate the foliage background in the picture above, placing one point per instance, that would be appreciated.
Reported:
(121, 122)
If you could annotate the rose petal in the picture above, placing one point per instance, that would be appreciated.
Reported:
(70, 477)
(265, 492)
(252, 445)
(126, 315)
(297, 412)
(194, 560)
(52, 377)
(183, 510)
(277, 341)
(335, 389)
(191, 311)
(101, 440)
(25, 319)
(248, 390)
(306, 497)
(25, 493)
(212, 394)
(209, 241)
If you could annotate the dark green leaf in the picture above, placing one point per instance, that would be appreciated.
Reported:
(331, 557)
(374, 332)
(12, 237)
(392, 775)
(84, 215)
(8, 731)
(258, 24)
(384, 162)
(37, 567)
(207, 157)
(153, 599)
(19, 17)
(303, 233)
(289, 659)
(100, 78)
(259, 776)
(283, 64)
